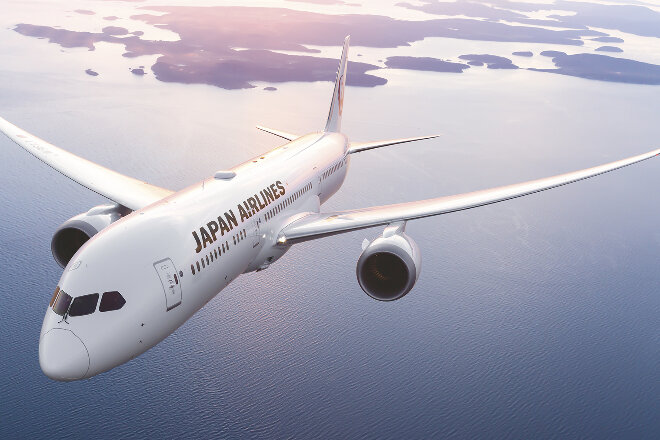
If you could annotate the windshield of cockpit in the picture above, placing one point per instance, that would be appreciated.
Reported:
(65, 305)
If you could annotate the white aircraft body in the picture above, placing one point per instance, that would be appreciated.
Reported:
(137, 269)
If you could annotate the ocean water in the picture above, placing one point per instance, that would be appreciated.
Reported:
(534, 318)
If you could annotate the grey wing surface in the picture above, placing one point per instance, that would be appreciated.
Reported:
(317, 225)
(127, 191)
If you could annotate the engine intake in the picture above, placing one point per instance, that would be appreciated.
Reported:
(390, 265)
(75, 232)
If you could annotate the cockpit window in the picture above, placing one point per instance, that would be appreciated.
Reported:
(111, 301)
(52, 300)
(84, 305)
(62, 303)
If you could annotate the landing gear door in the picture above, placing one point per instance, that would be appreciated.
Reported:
(170, 281)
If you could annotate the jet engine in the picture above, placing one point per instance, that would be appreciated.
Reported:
(390, 265)
(73, 233)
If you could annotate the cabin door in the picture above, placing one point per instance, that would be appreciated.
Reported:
(169, 278)
(256, 233)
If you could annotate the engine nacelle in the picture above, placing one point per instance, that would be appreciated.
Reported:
(73, 233)
(390, 265)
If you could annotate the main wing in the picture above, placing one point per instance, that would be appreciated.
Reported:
(319, 225)
(127, 191)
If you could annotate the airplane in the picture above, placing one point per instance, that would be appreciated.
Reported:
(136, 269)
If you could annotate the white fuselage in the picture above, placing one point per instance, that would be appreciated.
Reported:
(169, 259)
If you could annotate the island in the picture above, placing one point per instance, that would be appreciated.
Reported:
(607, 40)
(609, 49)
(492, 61)
(424, 63)
(552, 53)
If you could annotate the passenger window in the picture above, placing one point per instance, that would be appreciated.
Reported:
(62, 303)
(215, 252)
(111, 301)
(198, 268)
(84, 305)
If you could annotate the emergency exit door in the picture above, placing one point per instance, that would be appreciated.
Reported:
(170, 281)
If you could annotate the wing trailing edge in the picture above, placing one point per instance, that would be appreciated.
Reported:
(279, 133)
(356, 147)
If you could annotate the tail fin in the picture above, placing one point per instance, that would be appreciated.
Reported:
(336, 107)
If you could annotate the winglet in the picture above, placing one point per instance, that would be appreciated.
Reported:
(337, 105)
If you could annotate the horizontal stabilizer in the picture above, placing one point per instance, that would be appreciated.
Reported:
(356, 147)
(279, 133)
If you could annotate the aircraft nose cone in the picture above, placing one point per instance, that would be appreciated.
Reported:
(62, 355)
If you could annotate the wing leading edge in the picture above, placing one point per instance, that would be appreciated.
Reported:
(127, 191)
(319, 225)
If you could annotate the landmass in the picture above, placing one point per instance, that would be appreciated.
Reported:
(91, 72)
(609, 49)
(270, 88)
(523, 54)
(468, 9)
(205, 54)
(111, 18)
(321, 2)
(138, 71)
(637, 19)
(633, 19)
(492, 61)
(605, 68)
(84, 12)
(424, 63)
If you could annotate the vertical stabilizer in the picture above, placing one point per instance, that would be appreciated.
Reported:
(336, 107)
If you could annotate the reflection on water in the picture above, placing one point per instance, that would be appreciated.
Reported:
(533, 318)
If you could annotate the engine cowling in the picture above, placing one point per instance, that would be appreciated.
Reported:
(390, 265)
(75, 232)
